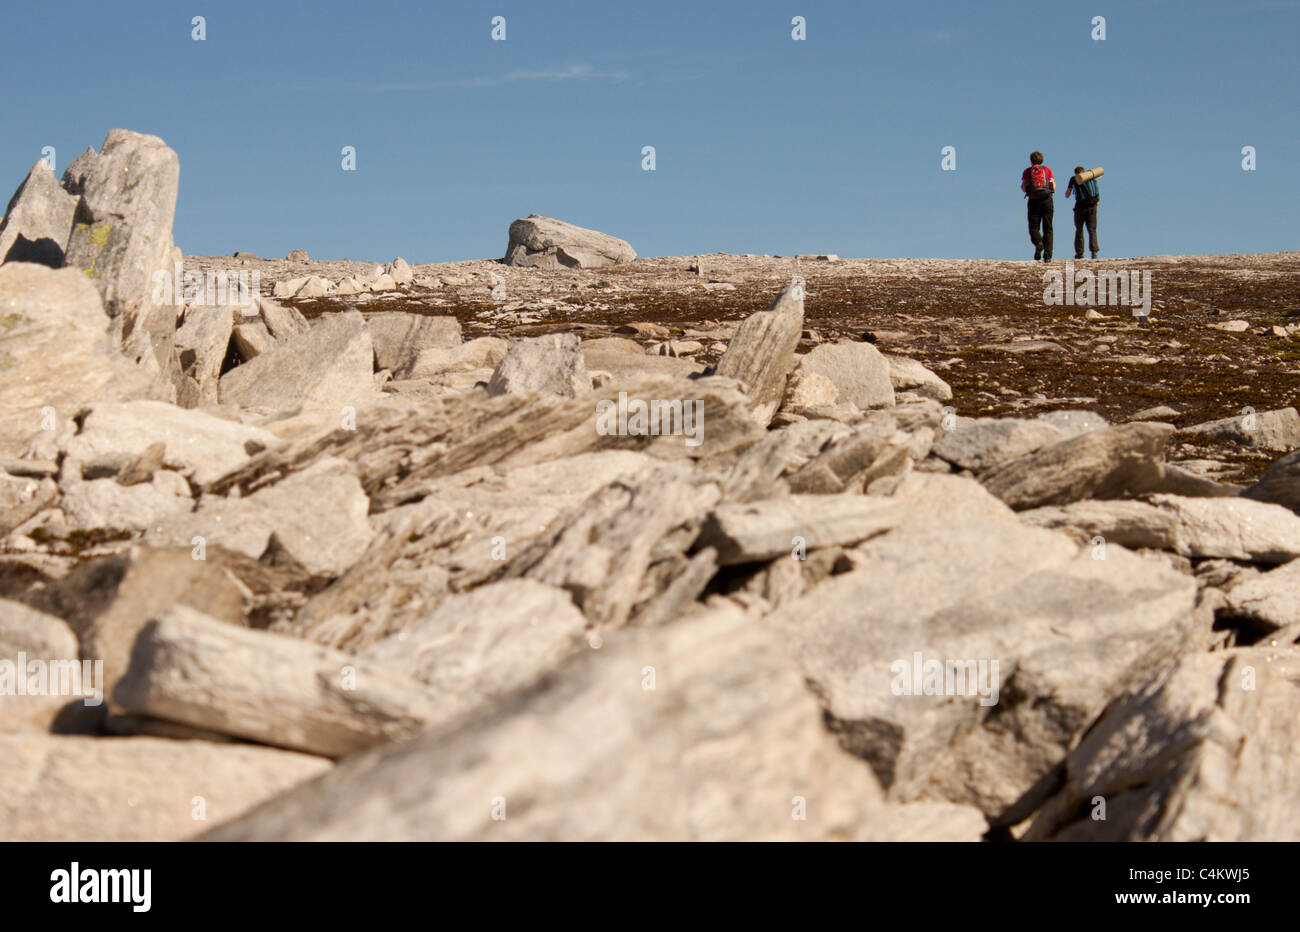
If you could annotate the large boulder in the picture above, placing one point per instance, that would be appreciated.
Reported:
(549, 365)
(122, 235)
(55, 356)
(964, 653)
(545, 243)
(38, 220)
(858, 370)
(1280, 485)
(399, 337)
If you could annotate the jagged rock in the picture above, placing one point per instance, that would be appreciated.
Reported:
(399, 271)
(297, 255)
(78, 789)
(288, 287)
(1207, 749)
(545, 243)
(109, 505)
(759, 531)
(382, 282)
(1102, 463)
(859, 370)
(700, 730)
(936, 587)
(625, 360)
(485, 643)
(38, 220)
(758, 472)
(121, 236)
(188, 668)
(948, 495)
(55, 356)
(112, 435)
(907, 374)
(106, 601)
(1266, 430)
(399, 338)
(283, 323)
(1194, 527)
(329, 366)
(1280, 485)
(459, 536)
(251, 339)
(313, 287)
(874, 448)
(761, 354)
(202, 342)
(549, 365)
(27, 635)
(986, 443)
(324, 540)
(807, 389)
(1267, 601)
(21, 497)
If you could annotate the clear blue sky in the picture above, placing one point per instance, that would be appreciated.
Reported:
(763, 144)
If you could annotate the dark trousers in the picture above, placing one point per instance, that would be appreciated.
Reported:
(1085, 216)
(1040, 212)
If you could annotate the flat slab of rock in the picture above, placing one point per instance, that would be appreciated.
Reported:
(764, 530)
(546, 243)
(1208, 749)
(329, 366)
(112, 435)
(699, 730)
(985, 443)
(1095, 464)
(277, 690)
(1235, 528)
(77, 789)
(1266, 430)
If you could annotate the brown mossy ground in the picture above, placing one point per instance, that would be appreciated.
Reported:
(942, 312)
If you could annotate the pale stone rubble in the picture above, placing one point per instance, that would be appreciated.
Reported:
(361, 577)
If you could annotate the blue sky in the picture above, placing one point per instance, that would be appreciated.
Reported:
(763, 144)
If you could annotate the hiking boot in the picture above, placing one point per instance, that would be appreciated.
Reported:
(1080, 256)
(1047, 257)
(1038, 254)
(1094, 255)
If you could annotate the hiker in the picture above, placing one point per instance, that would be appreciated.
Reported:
(1086, 198)
(1039, 186)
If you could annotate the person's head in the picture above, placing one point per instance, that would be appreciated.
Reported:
(1035, 158)
(1078, 169)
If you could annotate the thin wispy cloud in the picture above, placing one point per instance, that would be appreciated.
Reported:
(551, 75)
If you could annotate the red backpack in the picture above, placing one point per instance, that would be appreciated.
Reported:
(1038, 187)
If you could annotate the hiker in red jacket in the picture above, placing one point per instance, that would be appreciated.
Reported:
(1039, 186)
